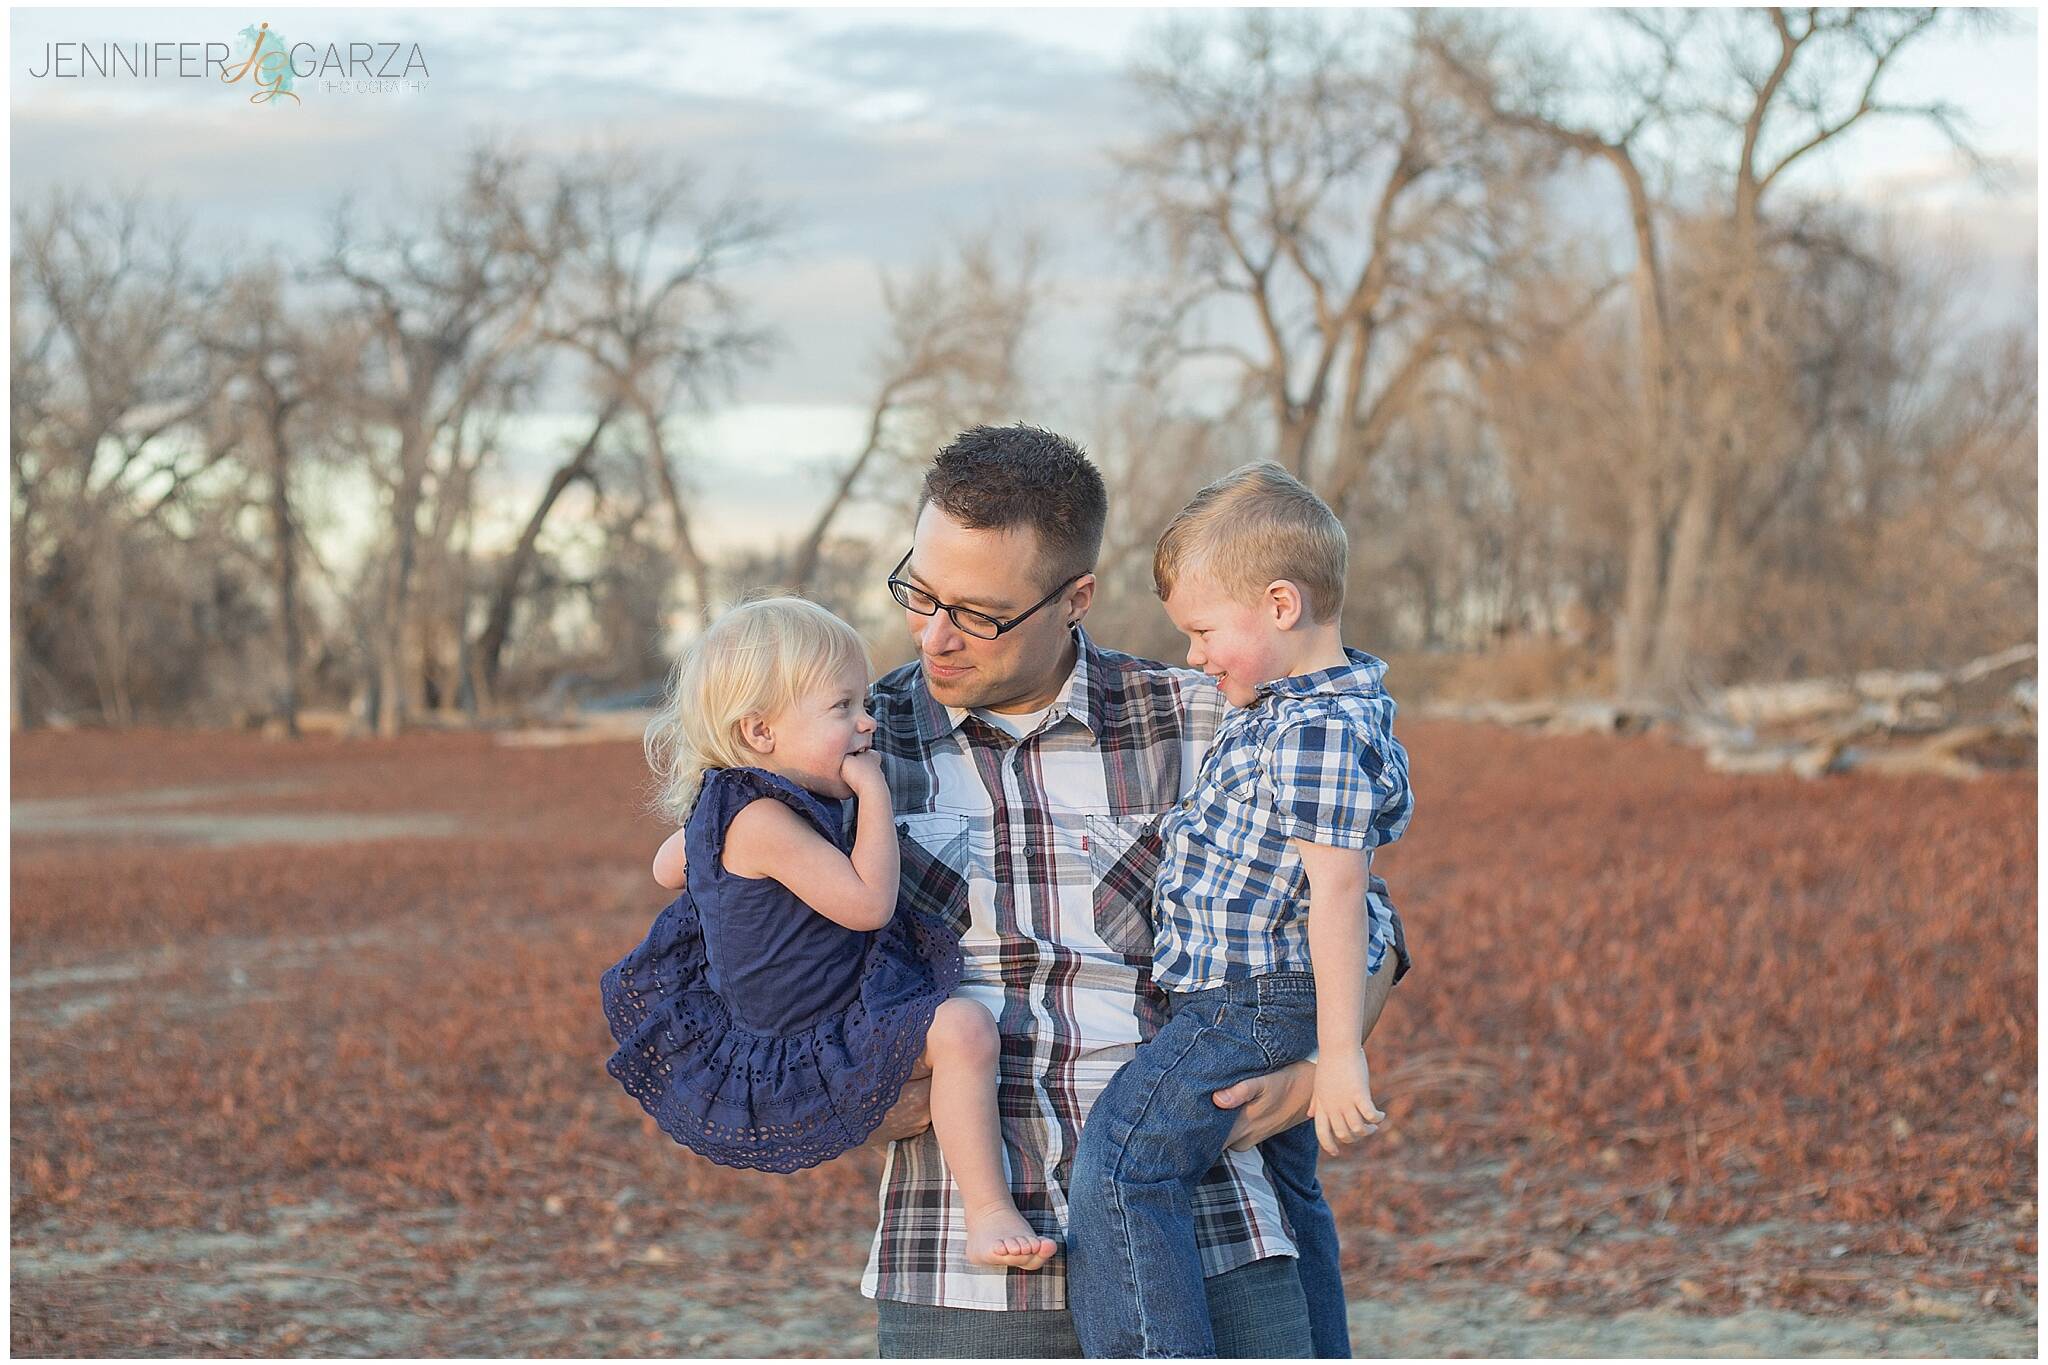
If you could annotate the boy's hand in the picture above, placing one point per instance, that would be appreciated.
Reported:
(863, 773)
(1342, 1106)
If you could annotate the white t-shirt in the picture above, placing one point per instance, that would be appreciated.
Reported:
(1019, 725)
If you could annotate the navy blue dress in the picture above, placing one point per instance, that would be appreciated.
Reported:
(756, 1031)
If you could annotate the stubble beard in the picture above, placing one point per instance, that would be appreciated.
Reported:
(959, 693)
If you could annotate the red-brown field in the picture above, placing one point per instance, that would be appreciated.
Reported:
(1689, 1064)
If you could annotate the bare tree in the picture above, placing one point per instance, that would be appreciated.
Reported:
(1483, 67)
(1795, 69)
(490, 645)
(647, 302)
(109, 384)
(1154, 449)
(1776, 85)
(448, 305)
(448, 586)
(276, 395)
(1988, 466)
(1887, 531)
(957, 332)
(1330, 219)
(30, 382)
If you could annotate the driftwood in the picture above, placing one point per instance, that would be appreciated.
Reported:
(1815, 727)
(1921, 697)
(1940, 754)
(1899, 722)
(1559, 717)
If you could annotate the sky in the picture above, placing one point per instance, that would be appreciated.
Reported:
(878, 134)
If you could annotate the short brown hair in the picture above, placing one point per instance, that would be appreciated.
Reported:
(1256, 524)
(993, 478)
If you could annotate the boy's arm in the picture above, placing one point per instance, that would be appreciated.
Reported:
(1373, 987)
(1338, 939)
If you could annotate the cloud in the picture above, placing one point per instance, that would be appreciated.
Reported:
(964, 76)
(1991, 225)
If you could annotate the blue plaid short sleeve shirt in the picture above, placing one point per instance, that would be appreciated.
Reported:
(1312, 758)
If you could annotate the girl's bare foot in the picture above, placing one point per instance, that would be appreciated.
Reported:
(1002, 1237)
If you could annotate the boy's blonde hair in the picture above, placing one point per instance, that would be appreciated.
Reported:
(755, 660)
(1256, 524)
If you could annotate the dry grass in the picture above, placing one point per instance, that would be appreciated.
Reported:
(1653, 1005)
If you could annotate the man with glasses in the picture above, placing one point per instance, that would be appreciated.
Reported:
(1028, 767)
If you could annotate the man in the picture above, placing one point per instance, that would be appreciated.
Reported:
(1027, 768)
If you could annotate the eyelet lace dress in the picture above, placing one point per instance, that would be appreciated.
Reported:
(757, 1032)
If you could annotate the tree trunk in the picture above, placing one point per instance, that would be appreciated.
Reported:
(108, 594)
(1677, 623)
(665, 475)
(25, 715)
(391, 670)
(805, 565)
(466, 689)
(1297, 442)
(286, 536)
(498, 624)
(1634, 631)
(1718, 457)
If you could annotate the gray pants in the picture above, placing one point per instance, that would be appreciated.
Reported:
(1255, 1310)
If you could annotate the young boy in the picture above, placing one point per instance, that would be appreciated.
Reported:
(1267, 915)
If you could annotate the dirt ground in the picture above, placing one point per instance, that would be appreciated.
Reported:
(307, 1060)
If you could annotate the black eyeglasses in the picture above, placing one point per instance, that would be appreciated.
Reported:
(979, 624)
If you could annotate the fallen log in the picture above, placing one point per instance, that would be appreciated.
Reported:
(1938, 756)
(1815, 727)
(1921, 699)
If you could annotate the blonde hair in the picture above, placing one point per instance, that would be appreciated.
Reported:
(1256, 524)
(758, 658)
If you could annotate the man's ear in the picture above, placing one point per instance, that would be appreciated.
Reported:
(1080, 597)
(1283, 603)
(756, 734)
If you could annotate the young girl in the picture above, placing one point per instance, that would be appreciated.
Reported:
(778, 1005)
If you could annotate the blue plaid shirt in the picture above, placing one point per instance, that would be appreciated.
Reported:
(1313, 758)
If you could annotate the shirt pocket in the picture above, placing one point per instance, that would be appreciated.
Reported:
(1123, 856)
(1233, 767)
(934, 853)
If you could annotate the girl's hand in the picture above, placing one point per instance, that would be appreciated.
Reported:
(1343, 1107)
(863, 773)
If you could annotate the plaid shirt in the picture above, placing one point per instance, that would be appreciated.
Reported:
(1042, 853)
(1313, 758)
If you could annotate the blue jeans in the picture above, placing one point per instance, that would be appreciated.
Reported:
(1134, 1274)
(1257, 1310)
